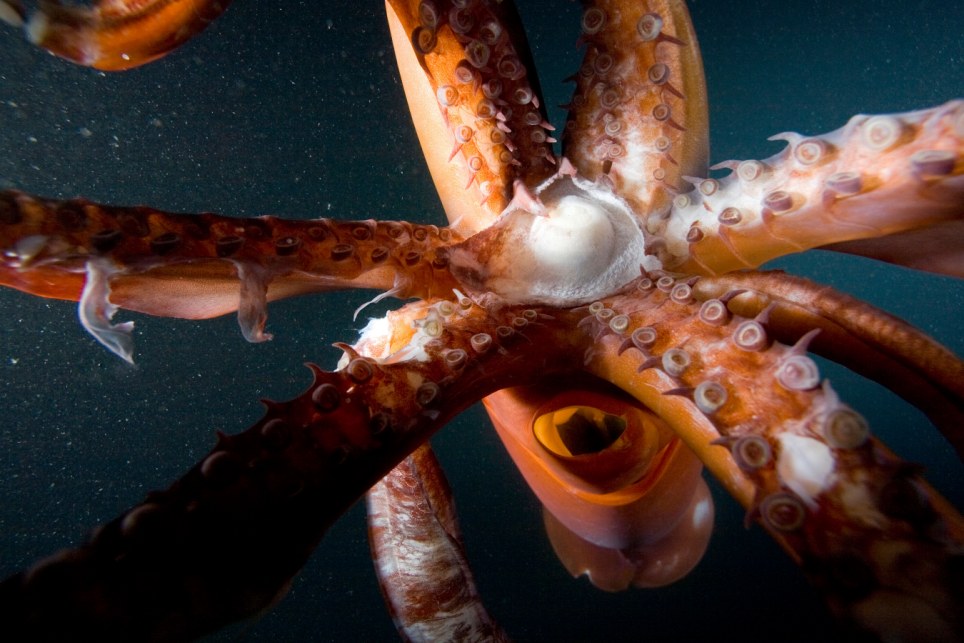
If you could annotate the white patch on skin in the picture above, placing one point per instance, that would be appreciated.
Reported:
(583, 245)
(702, 512)
(373, 341)
(27, 249)
(10, 15)
(805, 466)
(378, 336)
(860, 506)
(37, 27)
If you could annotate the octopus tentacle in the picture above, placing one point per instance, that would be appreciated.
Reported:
(202, 266)
(873, 537)
(419, 557)
(223, 542)
(413, 529)
(113, 35)
(476, 103)
(638, 118)
(878, 176)
(857, 335)
(754, 412)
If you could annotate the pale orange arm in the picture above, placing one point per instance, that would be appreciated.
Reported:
(863, 338)
(889, 186)
(419, 557)
(778, 438)
(638, 117)
(202, 266)
(114, 35)
(476, 104)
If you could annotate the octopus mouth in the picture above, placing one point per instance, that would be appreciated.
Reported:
(570, 243)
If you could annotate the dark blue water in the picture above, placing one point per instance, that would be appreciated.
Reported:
(293, 108)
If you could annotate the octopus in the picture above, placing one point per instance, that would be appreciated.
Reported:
(268, 133)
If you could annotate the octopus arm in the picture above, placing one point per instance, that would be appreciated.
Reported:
(476, 103)
(889, 186)
(638, 119)
(223, 542)
(933, 249)
(862, 337)
(202, 266)
(881, 545)
(113, 35)
(419, 556)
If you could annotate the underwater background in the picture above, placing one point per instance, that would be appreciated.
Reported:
(295, 109)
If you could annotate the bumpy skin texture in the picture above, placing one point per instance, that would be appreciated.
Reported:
(202, 266)
(721, 360)
(171, 568)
